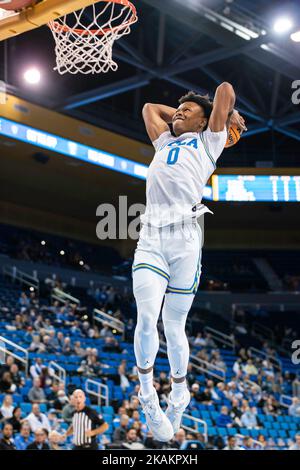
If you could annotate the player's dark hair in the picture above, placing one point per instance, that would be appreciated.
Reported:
(202, 101)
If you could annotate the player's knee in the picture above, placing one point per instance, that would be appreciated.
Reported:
(146, 324)
(175, 333)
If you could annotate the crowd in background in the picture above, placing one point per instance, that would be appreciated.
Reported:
(254, 388)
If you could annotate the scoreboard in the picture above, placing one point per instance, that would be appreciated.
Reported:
(267, 188)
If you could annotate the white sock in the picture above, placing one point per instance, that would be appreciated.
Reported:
(146, 382)
(178, 390)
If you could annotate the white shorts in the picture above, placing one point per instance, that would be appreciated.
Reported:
(173, 252)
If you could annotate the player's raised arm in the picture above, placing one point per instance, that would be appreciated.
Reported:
(156, 118)
(222, 106)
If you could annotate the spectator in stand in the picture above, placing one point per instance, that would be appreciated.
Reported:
(121, 431)
(294, 408)
(67, 349)
(237, 367)
(236, 412)
(24, 302)
(136, 423)
(61, 401)
(24, 438)
(78, 350)
(36, 393)
(40, 442)
(46, 377)
(296, 445)
(179, 439)
(199, 340)
(6, 443)
(36, 345)
(36, 368)
(224, 419)
(124, 382)
(249, 419)
(54, 440)
(250, 368)
(7, 407)
(16, 375)
(191, 377)
(209, 341)
(106, 332)
(6, 383)
(233, 391)
(68, 410)
(47, 346)
(222, 391)
(212, 390)
(262, 440)
(248, 443)
(16, 420)
(132, 441)
(111, 345)
(195, 392)
(232, 444)
(37, 420)
(53, 340)
(60, 340)
(9, 360)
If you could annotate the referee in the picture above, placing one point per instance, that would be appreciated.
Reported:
(86, 424)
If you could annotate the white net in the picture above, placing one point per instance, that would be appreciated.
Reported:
(84, 39)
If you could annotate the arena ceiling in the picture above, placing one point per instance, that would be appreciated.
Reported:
(177, 46)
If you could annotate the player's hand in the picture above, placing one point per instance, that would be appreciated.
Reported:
(238, 120)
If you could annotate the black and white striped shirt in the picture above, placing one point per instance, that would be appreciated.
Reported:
(82, 421)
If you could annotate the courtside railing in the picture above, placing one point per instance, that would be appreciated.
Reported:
(63, 297)
(200, 425)
(221, 338)
(110, 321)
(263, 355)
(96, 389)
(15, 274)
(10, 348)
(58, 372)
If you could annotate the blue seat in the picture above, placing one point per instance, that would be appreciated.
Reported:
(108, 410)
(26, 408)
(187, 422)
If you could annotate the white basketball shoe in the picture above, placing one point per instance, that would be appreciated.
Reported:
(175, 410)
(157, 421)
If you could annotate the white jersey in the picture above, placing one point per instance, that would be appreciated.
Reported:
(178, 174)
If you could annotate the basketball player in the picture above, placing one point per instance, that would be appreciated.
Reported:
(167, 261)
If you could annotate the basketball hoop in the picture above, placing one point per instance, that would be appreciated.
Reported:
(84, 39)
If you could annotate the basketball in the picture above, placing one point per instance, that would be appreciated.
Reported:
(234, 135)
(14, 4)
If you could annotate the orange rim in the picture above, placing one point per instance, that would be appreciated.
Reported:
(56, 26)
